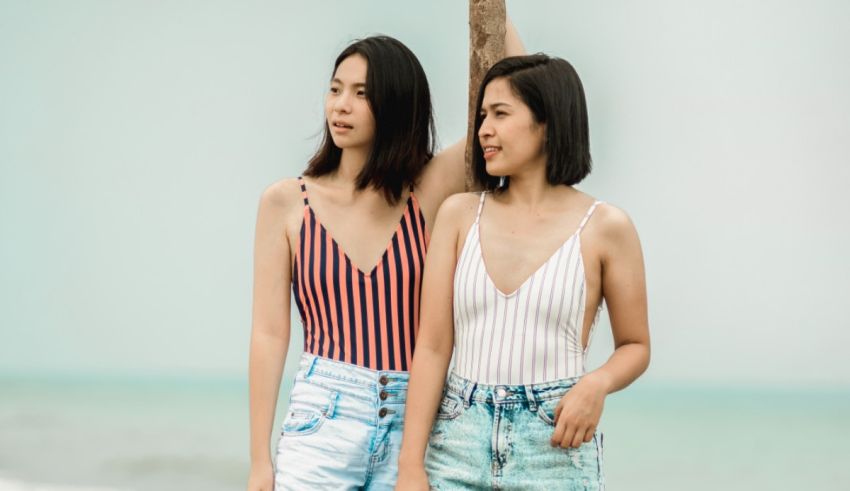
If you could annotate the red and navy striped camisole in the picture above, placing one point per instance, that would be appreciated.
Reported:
(368, 319)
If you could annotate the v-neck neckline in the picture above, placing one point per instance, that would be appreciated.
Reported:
(574, 235)
(401, 222)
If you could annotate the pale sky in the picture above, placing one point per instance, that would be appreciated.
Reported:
(136, 138)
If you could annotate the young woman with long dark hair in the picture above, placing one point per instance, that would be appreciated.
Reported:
(347, 241)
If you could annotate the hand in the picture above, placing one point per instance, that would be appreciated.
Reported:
(261, 477)
(577, 413)
(412, 478)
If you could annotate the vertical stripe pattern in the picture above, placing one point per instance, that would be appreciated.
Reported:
(528, 336)
(366, 319)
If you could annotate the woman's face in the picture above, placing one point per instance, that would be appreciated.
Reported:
(510, 138)
(347, 111)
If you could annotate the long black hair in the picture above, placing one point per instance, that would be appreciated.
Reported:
(552, 90)
(398, 95)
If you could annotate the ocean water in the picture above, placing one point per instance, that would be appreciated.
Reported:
(99, 434)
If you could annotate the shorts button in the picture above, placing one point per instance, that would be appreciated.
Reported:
(383, 380)
(383, 395)
(382, 412)
(501, 392)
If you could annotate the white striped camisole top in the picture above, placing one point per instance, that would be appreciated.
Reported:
(530, 336)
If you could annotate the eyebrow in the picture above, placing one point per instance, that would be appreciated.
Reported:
(338, 81)
(495, 105)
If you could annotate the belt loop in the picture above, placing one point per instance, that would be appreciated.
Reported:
(468, 389)
(311, 366)
(532, 398)
(332, 405)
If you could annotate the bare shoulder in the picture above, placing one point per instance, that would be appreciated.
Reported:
(614, 227)
(460, 206)
(454, 218)
(281, 208)
(282, 196)
(613, 220)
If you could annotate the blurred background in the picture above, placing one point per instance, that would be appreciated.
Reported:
(136, 138)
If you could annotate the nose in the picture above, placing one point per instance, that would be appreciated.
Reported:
(342, 103)
(485, 130)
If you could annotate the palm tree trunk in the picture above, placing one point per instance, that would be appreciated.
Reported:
(486, 47)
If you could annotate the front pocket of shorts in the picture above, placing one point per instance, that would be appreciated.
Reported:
(308, 409)
(450, 407)
(546, 411)
(302, 422)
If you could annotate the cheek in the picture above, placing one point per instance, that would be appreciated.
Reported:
(368, 117)
(368, 125)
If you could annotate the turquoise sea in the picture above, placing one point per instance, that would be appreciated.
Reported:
(96, 433)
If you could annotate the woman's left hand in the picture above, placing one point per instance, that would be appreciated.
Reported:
(577, 413)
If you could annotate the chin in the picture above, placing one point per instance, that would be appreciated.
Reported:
(341, 142)
(497, 171)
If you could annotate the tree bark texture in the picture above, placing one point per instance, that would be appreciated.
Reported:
(486, 47)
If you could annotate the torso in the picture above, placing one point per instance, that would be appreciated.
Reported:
(362, 310)
(508, 268)
(363, 225)
(515, 244)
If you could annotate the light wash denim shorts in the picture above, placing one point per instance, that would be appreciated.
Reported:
(497, 437)
(342, 429)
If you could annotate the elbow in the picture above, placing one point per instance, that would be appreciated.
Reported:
(639, 352)
(646, 356)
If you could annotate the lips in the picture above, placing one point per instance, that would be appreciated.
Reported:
(490, 150)
(341, 125)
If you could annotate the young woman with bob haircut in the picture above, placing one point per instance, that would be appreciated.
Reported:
(347, 241)
(513, 284)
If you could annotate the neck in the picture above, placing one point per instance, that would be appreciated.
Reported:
(529, 188)
(351, 163)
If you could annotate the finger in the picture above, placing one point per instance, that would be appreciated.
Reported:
(589, 434)
(578, 438)
(558, 434)
(569, 434)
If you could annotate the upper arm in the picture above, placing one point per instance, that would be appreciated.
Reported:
(623, 278)
(272, 273)
(436, 324)
(513, 43)
(444, 176)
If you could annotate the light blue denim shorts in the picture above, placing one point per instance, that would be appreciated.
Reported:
(497, 437)
(342, 429)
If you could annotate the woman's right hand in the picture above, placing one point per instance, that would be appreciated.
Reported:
(412, 478)
(261, 477)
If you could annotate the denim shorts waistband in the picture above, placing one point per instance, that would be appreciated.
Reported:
(471, 391)
(311, 365)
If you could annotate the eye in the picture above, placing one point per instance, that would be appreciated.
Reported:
(501, 113)
(361, 93)
(334, 90)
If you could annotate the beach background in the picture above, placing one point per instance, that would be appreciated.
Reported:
(136, 138)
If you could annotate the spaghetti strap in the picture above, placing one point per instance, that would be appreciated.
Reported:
(587, 216)
(480, 206)
(303, 191)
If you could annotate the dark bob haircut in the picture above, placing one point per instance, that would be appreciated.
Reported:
(550, 87)
(398, 95)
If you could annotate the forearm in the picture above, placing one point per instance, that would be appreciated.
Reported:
(265, 369)
(427, 378)
(624, 366)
